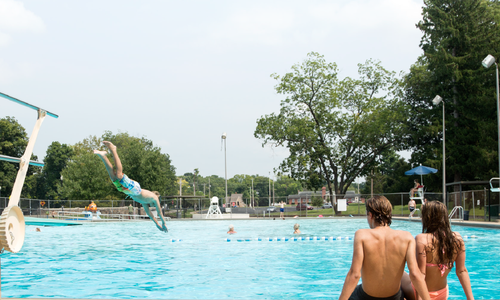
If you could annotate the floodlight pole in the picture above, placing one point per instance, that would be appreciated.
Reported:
(487, 62)
(436, 101)
(224, 135)
(444, 159)
(498, 120)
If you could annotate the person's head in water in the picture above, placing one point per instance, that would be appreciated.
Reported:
(380, 209)
(296, 226)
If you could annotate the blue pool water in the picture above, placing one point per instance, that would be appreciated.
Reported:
(137, 261)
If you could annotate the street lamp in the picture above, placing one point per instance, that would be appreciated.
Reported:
(436, 101)
(269, 188)
(252, 196)
(487, 62)
(224, 135)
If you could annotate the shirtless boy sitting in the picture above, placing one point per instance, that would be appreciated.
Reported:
(379, 258)
(131, 187)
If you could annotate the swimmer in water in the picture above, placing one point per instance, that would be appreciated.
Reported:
(296, 228)
(231, 230)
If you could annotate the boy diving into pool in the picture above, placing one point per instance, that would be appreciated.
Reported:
(130, 187)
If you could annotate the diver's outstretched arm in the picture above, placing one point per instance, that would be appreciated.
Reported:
(150, 215)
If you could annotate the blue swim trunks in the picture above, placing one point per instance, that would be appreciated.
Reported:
(128, 186)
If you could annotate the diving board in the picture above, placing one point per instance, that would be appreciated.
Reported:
(17, 160)
(12, 223)
(27, 104)
(48, 222)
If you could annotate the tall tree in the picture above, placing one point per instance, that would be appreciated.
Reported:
(56, 159)
(334, 129)
(13, 142)
(457, 35)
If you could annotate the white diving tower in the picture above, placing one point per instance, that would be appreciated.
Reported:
(12, 227)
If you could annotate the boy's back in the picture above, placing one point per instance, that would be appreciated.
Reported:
(384, 259)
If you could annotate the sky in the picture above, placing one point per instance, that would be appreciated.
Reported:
(181, 73)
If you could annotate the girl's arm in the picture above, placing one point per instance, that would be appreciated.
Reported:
(461, 270)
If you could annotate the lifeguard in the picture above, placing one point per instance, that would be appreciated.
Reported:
(92, 207)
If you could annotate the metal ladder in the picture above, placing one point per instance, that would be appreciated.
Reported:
(460, 210)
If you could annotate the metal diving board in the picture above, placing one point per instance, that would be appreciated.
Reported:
(27, 104)
(18, 160)
(48, 222)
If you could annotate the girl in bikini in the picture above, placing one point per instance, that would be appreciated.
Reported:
(438, 250)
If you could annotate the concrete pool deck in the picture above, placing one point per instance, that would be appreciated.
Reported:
(458, 222)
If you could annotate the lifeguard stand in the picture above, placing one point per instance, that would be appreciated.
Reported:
(214, 208)
(418, 195)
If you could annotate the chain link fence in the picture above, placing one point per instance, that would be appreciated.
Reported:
(478, 205)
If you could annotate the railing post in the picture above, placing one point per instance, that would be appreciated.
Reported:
(402, 205)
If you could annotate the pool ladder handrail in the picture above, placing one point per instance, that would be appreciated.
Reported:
(460, 212)
(493, 189)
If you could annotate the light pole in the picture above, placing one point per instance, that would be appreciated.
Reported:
(224, 135)
(436, 101)
(252, 196)
(487, 62)
(269, 188)
(274, 179)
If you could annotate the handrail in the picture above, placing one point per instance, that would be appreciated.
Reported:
(495, 190)
(460, 212)
(27, 104)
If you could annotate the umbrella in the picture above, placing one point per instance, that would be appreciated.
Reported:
(421, 170)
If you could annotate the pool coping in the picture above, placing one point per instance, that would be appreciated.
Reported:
(457, 222)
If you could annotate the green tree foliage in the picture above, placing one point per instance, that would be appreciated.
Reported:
(86, 178)
(56, 159)
(317, 201)
(389, 175)
(334, 129)
(13, 142)
(457, 35)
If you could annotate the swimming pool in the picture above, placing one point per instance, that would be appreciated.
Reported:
(136, 261)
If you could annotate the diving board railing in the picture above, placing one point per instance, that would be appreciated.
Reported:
(12, 219)
(456, 209)
(494, 189)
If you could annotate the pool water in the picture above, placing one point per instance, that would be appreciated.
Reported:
(136, 261)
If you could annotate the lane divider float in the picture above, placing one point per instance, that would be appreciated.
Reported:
(289, 239)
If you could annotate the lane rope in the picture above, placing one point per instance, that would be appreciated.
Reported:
(289, 239)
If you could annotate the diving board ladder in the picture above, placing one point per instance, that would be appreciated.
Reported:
(12, 220)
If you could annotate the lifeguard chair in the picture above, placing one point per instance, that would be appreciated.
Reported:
(214, 208)
(418, 195)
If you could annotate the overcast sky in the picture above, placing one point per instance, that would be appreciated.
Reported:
(181, 73)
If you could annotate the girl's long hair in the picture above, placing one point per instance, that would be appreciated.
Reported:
(445, 244)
